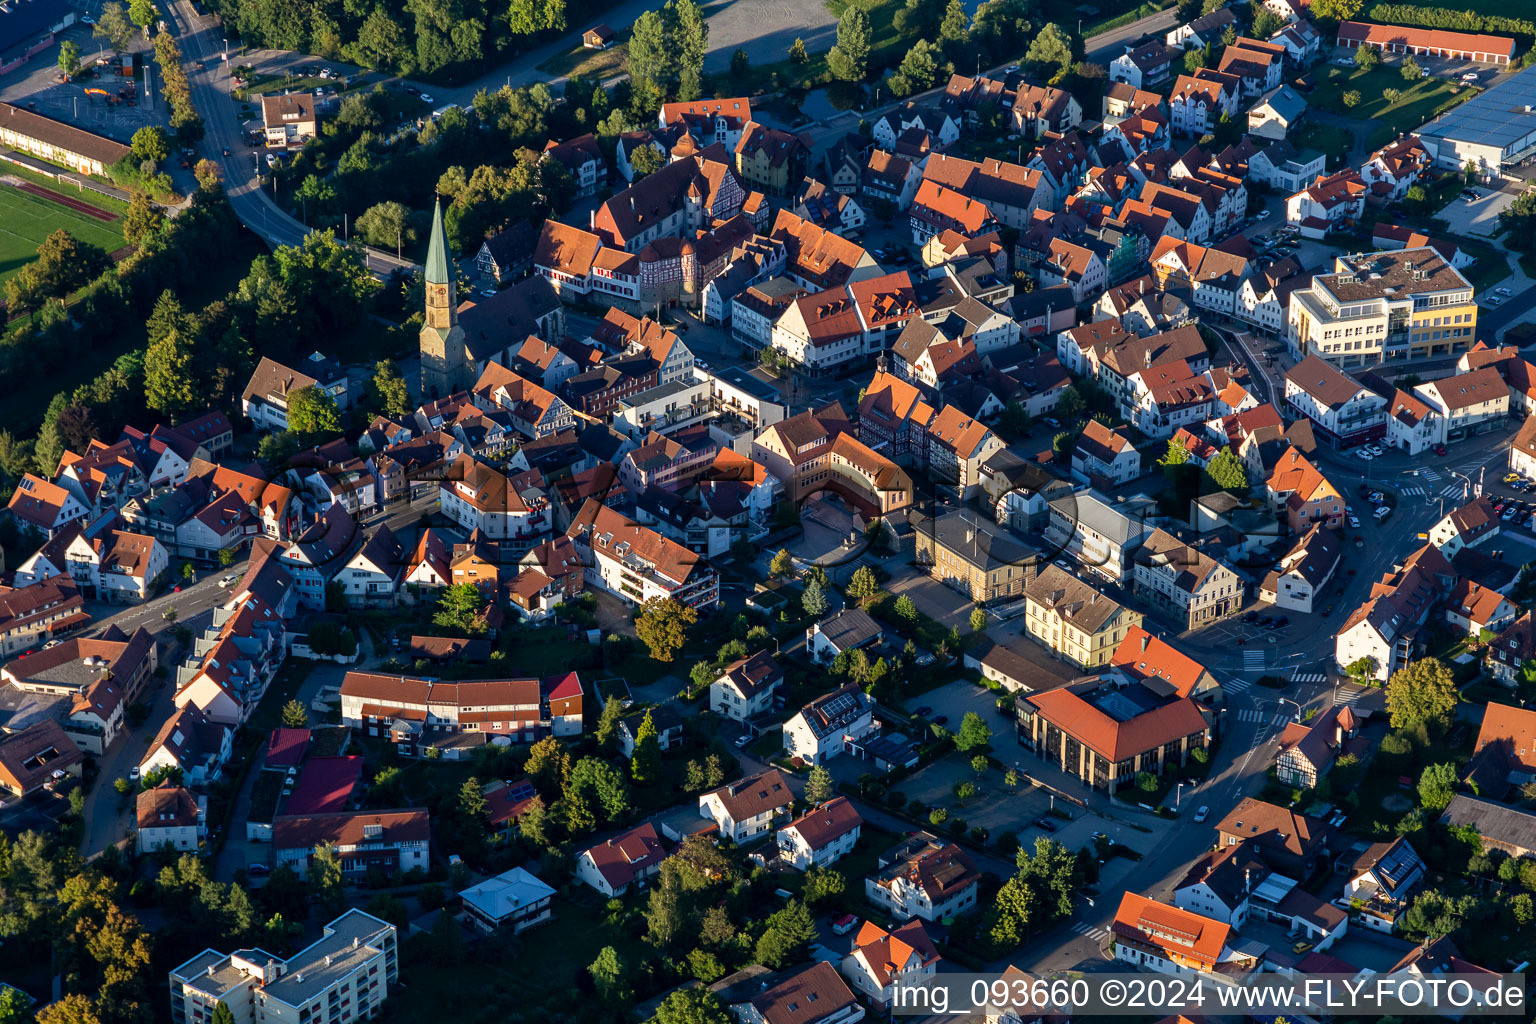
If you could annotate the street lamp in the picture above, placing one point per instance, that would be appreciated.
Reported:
(1178, 794)
(1287, 700)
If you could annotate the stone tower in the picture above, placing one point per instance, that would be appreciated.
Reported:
(444, 361)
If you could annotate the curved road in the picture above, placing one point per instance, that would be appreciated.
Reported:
(211, 92)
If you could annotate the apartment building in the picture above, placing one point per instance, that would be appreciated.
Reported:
(746, 809)
(1466, 404)
(980, 559)
(923, 877)
(1075, 620)
(343, 976)
(635, 563)
(1343, 412)
(1383, 307)
(746, 687)
(417, 713)
(820, 836)
(1185, 583)
(1098, 532)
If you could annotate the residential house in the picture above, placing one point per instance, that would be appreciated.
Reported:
(1277, 112)
(882, 960)
(1469, 526)
(1381, 882)
(812, 995)
(1304, 571)
(171, 818)
(890, 179)
(745, 810)
(1099, 533)
(192, 743)
(288, 120)
(41, 507)
(1199, 101)
(1308, 751)
(265, 398)
(821, 836)
(1203, 31)
(363, 841)
(29, 758)
(1167, 940)
(980, 559)
(746, 687)
(1301, 495)
(1467, 404)
(1343, 411)
(507, 254)
(772, 161)
(957, 446)
(1479, 609)
(936, 209)
(635, 563)
(629, 858)
(1042, 109)
(1143, 66)
(1333, 203)
(511, 902)
(1289, 841)
(371, 578)
(925, 878)
(829, 725)
(582, 159)
(31, 615)
(843, 630)
(1104, 458)
(1395, 168)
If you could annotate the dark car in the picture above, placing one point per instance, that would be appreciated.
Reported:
(941, 719)
(1045, 824)
(1251, 617)
(923, 710)
(1283, 620)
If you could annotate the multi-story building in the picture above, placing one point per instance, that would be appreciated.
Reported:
(1334, 203)
(30, 615)
(829, 725)
(746, 809)
(1184, 582)
(817, 450)
(882, 961)
(823, 331)
(417, 713)
(635, 563)
(1104, 457)
(1383, 307)
(1343, 412)
(343, 976)
(171, 818)
(1073, 619)
(364, 841)
(980, 559)
(746, 687)
(101, 676)
(1301, 494)
(1303, 571)
(1096, 531)
(1167, 940)
(1466, 404)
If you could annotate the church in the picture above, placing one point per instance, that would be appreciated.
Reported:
(445, 364)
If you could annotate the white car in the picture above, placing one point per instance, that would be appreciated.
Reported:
(427, 99)
(86, 19)
(1470, 76)
(271, 159)
(1374, 450)
(228, 581)
(1384, 511)
(1363, 455)
(743, 740)
(1354, 524)
(1203, 813)
(1494, 300)
(1262, 215)
(1503, 291)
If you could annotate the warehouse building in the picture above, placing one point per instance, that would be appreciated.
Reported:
(1495, 130)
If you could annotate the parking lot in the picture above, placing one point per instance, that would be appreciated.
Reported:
(949, 608)
(1479, 217)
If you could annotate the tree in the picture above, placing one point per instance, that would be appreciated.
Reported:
(386, 225)
(978, 619)
(325, 877)
(1051, 52)
(862, 585)
(1351, 98)
(601, 786)
(645, 765)
(1361, 669)
(314, 191)
(905, 610)
(143, 13)
(1227, 472)
(823, 885)
(1335, 11)
(142, 219)
(690, 42)
(1437, 785)
(387, 390)
(294, 715)
(740, 64)
(788, 935)
(1194, 60)
(549, 766)
(691, 1006)
(1422, 693)
(65, 264)
(610, 977)
(955, 26)
(662, 625)
(69, 58)
(474, 810)
(311, 410)
(112, 24)
(169, 386)
(1411, 71)
(650, 56)
(848, 60)
(458, 607)
(918, 69)
(797, 52)
(782, 564)
(151, 145)
(974, 732)
(818, 785)
(608, 721)
(814, 600)
(1266, 23)
(1071, 402)
(1367, 57)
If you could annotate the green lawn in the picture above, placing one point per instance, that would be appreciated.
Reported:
(1331, 140)
(1416, 102)
(25, 220)
(598, 64)
(95, 199)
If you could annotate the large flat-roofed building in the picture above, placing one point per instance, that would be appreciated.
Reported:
(1383, 307)
(1494, 130)
(343, 976)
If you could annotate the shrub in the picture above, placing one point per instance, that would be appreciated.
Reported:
(1146, 782)
(957, 826)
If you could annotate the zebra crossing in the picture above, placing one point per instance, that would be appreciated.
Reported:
(1308, 677)
(1084, 928)
(1260, 715)
(1238, 686)
(1412, 492)
(1429, 474)
(1349, 694)
(1253, 661)
(1453, 491)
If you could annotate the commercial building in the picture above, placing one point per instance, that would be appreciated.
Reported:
(343, 976)
(980, 559)
(1383, 307)
(1073, 619)
(1495, 130)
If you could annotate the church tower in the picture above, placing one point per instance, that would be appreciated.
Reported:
(444, 362)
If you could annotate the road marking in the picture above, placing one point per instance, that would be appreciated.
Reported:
(1310, 677)
(1083, 928)
(1238, 686)
(1281, 720)
(1452, 491)
(1253, 661)
(1413, 491)
(1429, 474)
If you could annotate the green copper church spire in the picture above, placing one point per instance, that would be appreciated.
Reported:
(437, 250)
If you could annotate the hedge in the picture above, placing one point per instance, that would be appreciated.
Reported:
(1444, 17)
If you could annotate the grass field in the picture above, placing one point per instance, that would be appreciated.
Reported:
(25, 220)
(587, 63)
(1414, 102)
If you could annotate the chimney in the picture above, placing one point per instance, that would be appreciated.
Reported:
(1146, 641)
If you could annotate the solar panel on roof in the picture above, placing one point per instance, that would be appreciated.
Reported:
(839, 705)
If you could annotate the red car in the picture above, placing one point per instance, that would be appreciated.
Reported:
(1440, 449)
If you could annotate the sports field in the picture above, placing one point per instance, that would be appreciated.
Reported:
(26, 219)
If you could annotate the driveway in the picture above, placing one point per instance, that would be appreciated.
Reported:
(949, 608)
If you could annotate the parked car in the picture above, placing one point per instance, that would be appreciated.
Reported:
(1363, 455)
(1441, 449)
(1383, 512)
(923, 709)
(1354, 524)
(743, 739)
(845, 924)
(1374, 450)
(1203, 813)
(1045, 824)
(1470, 76)
(257, 870)
(228, 581)
(1262, 215)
